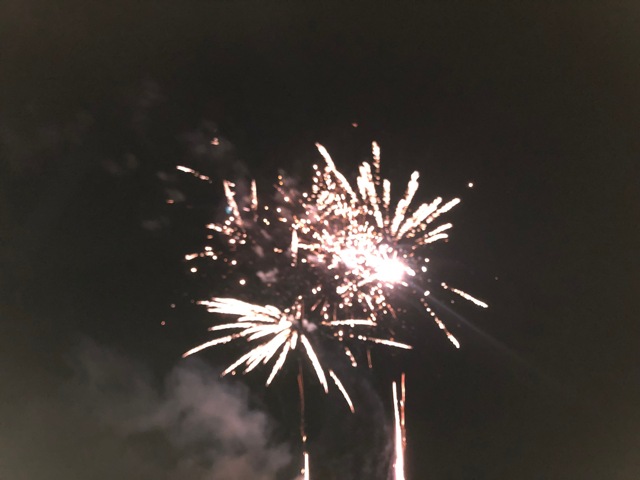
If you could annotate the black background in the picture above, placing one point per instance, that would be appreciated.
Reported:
(536, 104)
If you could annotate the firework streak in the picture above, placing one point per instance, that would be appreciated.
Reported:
(399, 437)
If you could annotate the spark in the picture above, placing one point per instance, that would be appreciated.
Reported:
(315, 362)
(384, 341)
(193, 172)
(231, 201)
(402, 404)
(352, 359)
(351, 322)
(342, 390)
(465, 295)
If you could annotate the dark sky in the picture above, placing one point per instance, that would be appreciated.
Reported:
(537, 104)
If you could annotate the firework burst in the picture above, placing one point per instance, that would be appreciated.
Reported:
(279, 333)
(364, 248)
(337, 256)
(345, 251)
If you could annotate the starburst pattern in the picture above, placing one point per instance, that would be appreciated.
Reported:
(345, 251)
(366, 248)
(279, 333)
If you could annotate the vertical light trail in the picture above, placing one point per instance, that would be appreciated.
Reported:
(303, 434)
(306, 473)
(402, 404)
(398, 464)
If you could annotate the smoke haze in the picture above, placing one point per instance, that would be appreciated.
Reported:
(110, 421)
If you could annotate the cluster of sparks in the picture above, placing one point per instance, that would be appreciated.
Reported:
(334, 258)
(285, 330)
(369, 248)
(349, 249)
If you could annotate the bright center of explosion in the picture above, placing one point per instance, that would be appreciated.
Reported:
(376, 264)
(390, 270)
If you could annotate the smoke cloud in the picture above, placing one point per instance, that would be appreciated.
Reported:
(110, 421)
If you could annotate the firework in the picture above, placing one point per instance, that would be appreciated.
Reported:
(337, 257)
(344, 251)
(363, 249)
(278, 333)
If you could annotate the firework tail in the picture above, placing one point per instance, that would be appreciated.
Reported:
(303, 432)
(402, 404)
(399, 432)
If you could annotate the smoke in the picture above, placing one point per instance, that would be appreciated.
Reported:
(110, 421)
(209, 150)
(32, 144)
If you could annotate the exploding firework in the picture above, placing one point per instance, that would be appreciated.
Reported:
(336, 258)
(279, 333)
(362, 249)
(346, 252)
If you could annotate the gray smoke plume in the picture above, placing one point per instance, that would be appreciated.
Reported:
(110, 421)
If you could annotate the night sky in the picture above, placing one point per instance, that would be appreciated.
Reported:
(537, 104)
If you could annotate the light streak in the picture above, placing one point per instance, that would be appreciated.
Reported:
(196, 174)
(465, 295)
(398, 463)
(315, 362)
(306, 472)
(342, 390)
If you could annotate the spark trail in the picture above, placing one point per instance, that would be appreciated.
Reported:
(399, 433)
